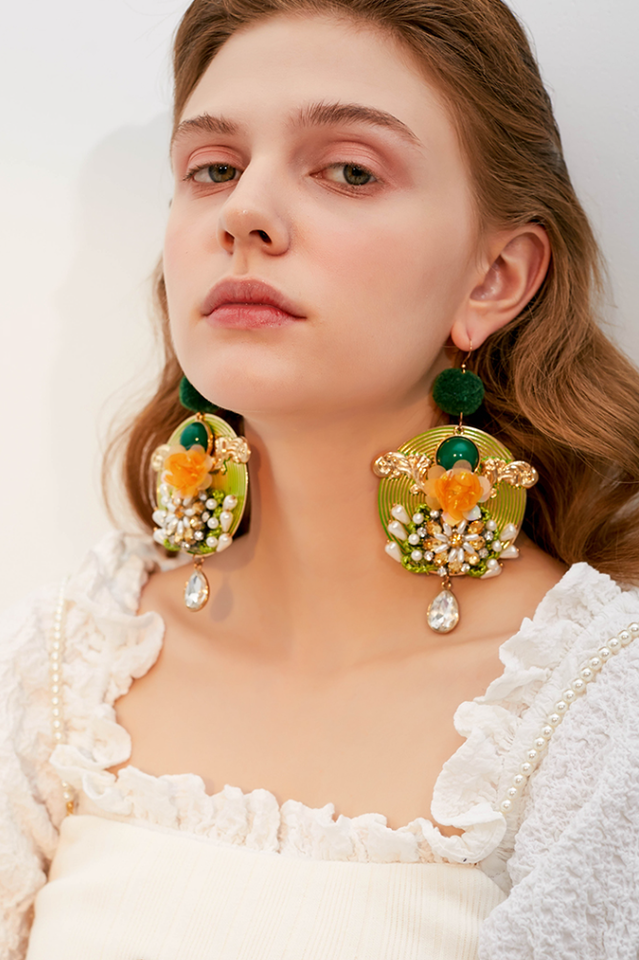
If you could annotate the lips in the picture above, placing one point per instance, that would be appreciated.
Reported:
(248, 300)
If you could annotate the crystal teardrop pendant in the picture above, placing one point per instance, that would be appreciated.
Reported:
(196, 592)
(443, 612)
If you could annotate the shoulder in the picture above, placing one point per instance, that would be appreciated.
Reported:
(576, 854)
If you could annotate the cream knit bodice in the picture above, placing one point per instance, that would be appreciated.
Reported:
(107, 645)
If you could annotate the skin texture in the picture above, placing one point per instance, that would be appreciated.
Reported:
(311, 672)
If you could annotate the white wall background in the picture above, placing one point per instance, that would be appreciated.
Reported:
(84, 187)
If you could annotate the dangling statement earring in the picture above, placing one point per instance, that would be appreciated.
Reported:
(453, 499)
(201, 488)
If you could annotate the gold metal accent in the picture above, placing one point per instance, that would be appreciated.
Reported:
(517, 473)
(392, 465)
(235, 449)
(159, 456)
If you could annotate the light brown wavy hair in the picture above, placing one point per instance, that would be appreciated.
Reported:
(558, 393)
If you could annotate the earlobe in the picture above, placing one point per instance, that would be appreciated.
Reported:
(518, 264)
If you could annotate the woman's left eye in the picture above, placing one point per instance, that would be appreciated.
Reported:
(351, 174)
(214, 173)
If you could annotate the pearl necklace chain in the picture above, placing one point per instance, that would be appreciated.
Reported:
(55, 677)
(587, 674)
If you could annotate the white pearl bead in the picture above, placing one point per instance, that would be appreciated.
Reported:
(587, 674)
(491, 525)
(625, 637)
(393, 550)
(595, 663)
(230, 502)
(55, 677)
(211, 504)
(506, 805)
(570, 696)
(554, 719)
(526, 768)
(540, 743)
(399, 513)
(416, 555)
(605, 653)
(226, 520)
(561, 706)
(578, 685)
(56, 645)
(225, 541)
(55, 689)
(532, 755)
(413, 539)
(397, 530)
(211, 542)
(57, 735)
(510, 552)
(512, 792)
(519, 780)
(418, 518)
(56, 724)
(547, 732)
(634, 629)
(614, 645)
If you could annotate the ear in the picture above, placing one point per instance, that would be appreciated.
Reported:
(513, 270)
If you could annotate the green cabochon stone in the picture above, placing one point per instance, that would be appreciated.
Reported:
(194, 434)
(458, 393)
(457, 448)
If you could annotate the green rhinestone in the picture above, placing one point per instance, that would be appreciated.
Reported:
(456, 448)
(194, 434)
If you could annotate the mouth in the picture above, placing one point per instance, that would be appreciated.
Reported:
(247, 304)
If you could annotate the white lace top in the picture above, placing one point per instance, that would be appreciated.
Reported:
(545, 787)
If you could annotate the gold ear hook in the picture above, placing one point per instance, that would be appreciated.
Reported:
(460, 426)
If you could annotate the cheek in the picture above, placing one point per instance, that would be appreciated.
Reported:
(404, 270)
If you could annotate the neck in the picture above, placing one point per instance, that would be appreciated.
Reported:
(315, 533)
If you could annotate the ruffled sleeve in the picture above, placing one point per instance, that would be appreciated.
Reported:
(31, 803)
(575, 867)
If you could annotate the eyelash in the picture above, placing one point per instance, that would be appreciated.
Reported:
(191, 174)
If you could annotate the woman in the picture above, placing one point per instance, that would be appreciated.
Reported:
(367, 194)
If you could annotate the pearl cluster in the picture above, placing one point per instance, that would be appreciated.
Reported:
(55, 665)
(587, 674)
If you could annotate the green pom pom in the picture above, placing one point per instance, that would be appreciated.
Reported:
(458, 393)
(192, 400)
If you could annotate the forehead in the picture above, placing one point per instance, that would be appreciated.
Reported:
(274, 68)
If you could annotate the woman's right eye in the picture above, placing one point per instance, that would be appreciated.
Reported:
(214, 173)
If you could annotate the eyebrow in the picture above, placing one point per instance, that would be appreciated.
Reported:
(205, 123)
(327, 114)
(313, 115)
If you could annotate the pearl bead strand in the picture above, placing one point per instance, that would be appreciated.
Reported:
(55, 676)
(587, 674)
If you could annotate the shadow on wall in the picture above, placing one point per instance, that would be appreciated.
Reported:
(106, 343)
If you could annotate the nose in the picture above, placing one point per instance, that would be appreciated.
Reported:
(253, 217)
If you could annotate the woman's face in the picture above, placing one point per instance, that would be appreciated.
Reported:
(315, 158)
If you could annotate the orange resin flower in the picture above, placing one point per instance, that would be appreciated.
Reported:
(188, 470)
(455, 492)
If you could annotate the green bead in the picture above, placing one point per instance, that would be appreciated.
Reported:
(458, 393)
(457, 448)
(194, 434)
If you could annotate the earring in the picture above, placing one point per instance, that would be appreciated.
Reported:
(202, 486)
(453, 499)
